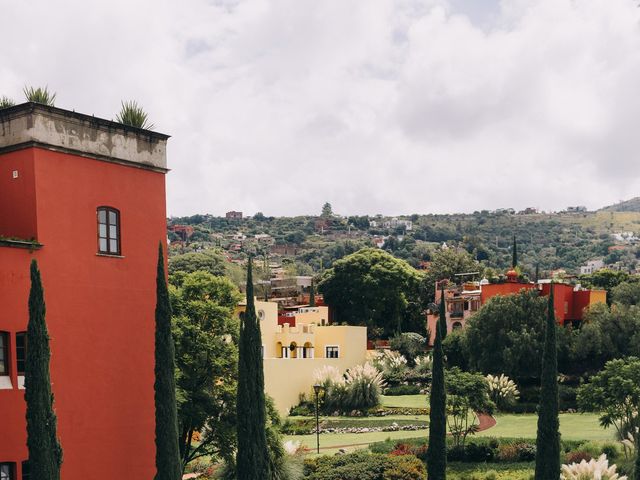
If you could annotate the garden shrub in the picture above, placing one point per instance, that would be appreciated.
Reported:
(526, 452)
(403, 390)
(593, 469)
(577, 456)
(502, 391)
(409, 345)
(364, 466)
(507, 453)
(595, 449)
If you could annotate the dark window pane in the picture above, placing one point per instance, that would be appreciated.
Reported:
(26, 475)
(21, 352)
(4, 367)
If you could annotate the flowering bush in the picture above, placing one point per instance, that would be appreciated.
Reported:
(423, 364)
(594, 469)
(364, 386)
(391, 363)
(502, 390)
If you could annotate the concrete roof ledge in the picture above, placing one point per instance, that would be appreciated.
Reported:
(36, 125)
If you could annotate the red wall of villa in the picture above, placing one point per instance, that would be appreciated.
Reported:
(100, 309)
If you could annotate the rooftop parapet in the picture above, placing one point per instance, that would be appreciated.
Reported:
(36, 125)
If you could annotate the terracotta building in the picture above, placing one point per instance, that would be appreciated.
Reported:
(462, 301)
(85, 197)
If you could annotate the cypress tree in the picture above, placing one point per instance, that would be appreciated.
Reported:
(537, 272)
(45, 453)
(514, 260)
(252, 459)
(442, 319)
(548, 439)
(636, 468)
(437, 450)
(312, 295)
(168, 464)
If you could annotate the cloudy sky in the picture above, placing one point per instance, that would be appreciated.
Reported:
(377, 106)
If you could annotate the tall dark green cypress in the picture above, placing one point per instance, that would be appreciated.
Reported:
(45, 453)
(548, 439)
(168, 465)
(312, 295)
(442, 319)
(252, 460)
(437, 450)
(636, 468)
(537, 272)
(514, 259)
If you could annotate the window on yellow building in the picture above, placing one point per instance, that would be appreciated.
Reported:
(332, 351)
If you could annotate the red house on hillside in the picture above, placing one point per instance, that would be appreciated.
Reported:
(85, 197)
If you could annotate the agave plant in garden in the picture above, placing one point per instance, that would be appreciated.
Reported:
(592, 470)
(40, 95)
(502, 390)
(133, 115)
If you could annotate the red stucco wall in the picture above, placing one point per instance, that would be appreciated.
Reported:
(100, 313)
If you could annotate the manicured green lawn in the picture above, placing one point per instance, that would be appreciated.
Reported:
(405, 401)
(573, 426)
(504, 471)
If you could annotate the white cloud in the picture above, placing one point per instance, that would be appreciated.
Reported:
(391, 106)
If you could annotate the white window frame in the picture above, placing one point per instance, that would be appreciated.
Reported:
(326, 350)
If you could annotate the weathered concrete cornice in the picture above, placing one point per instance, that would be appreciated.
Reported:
(34, 124)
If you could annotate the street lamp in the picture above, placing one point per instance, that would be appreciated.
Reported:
(316, 389)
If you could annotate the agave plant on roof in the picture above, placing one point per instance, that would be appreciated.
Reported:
(133, 115)
(40, 95)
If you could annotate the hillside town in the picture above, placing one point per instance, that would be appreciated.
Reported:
(258, 240)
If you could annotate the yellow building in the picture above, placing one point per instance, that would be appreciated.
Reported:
(293, 353)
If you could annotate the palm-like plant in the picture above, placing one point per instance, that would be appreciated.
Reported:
(133, 115)
(6, 102)
(40, 95)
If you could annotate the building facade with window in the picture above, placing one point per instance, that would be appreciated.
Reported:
(293, 353)
(85, 197)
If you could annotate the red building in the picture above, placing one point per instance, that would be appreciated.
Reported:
(461, 302)
(85, 197)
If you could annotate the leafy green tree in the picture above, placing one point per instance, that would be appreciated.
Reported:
(606, 333)
(205, 332)
(327, 211)
(168, 466)
(437, 450)
(252, 459)
(45, 453)
(210, 261)
(372, 288)
(626, 294)
(466, 393)
(411, 345)
(455, 350)
(548, 438)
(506, 335)
(445, 264)
(605, 279)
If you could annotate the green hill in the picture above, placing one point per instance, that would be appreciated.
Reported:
(632, 205)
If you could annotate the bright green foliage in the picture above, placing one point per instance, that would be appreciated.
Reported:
(168, 466)
(45, 453)
(40, 95)
(6, 102)
(210, 261)
(466, 393)
(506, 335)
(373, 288)
(445, 264)
(133, 115)
(205, 332)
(252, 459)
(437, 453)
(455, 349)
(514, 254)
(548, 438)
(615, 394)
